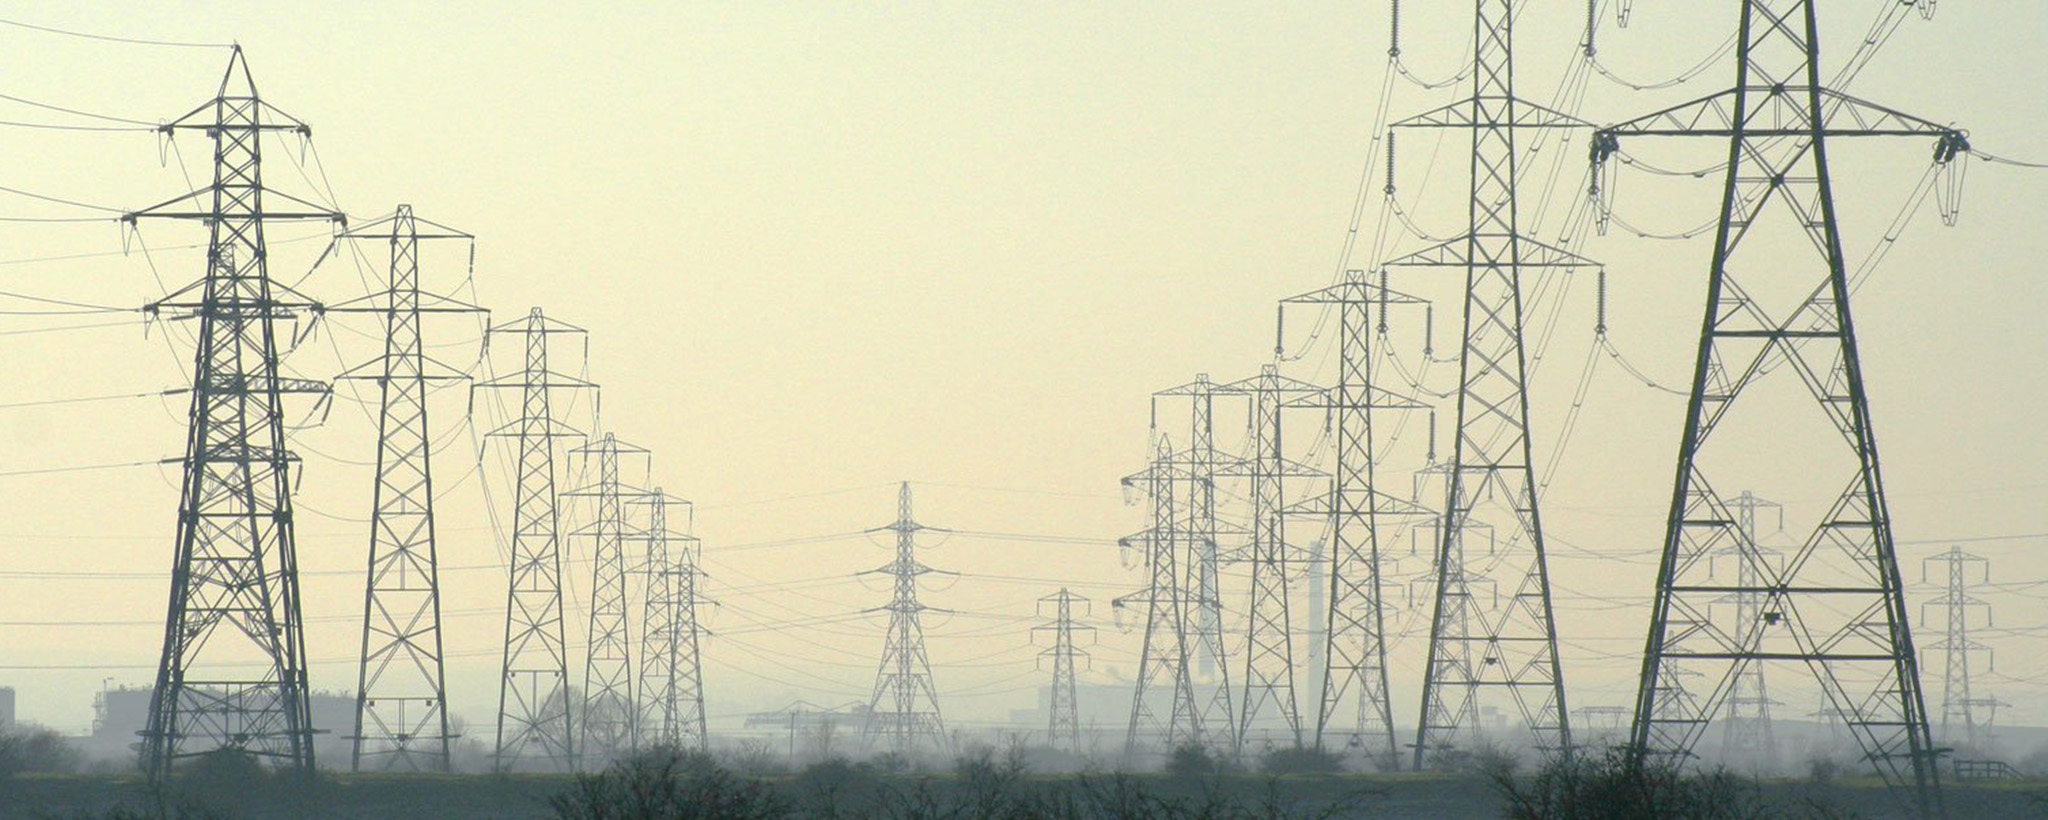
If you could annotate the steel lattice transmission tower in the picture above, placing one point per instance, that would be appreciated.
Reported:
(233, 670)
(1838, 605)
(1203, 608)
(671, 678)
(1958, 704)
(534, 721)
(610, 727)
(1491, 474)
(1269, 633)
(904, 710)
(1063, 730)
(1746, 725)
(401, 716)
(1355, 638)
(1166, 649)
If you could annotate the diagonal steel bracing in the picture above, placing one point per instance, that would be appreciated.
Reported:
(233, 670)
(535, 728)
(401, 715)
(610, 712)
(1836, 606)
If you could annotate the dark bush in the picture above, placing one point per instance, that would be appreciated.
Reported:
(1300, 760)
(666, 785)
(1194, 760)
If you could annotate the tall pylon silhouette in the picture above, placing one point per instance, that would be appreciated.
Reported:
(1746, 734)
(233, 670)
(1507, 647)
(1200, 467)
(1354, 654)
(1063, 727)
(671, 680)
(401, 715)
(1965, 717)
(1167, 648)
(903, 713)
(535, 725)
(610, 712)
(1269, 681)
(1837, 606)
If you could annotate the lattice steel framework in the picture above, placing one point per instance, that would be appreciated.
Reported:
(1167, 644)
(1063, 729)
(1746, 723)
(535, 726)
(1958, 704)
(1269, 633)
(1355, 638)
(671, 679)
(610, 724)
(1837, 606)
(401, 715)
(1199, 468)
(233, 670)
(1510, 647)
(903, 713)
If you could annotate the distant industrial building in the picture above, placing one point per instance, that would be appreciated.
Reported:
(119, 716)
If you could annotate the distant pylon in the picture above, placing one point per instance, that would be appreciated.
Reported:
(1203, 609)
(671, 680)
(1166, 648)
(1746, 725)
(610, 725)
(1491, 475)
(1269, 634)
(233, 670)
(1063, 730)
(1838, 607)
(904, 711)
(401, 715)
(1959, 706)
(534, 720)
(1354, 652)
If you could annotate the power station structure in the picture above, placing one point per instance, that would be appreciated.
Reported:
(401, 720)
(232, 674)
(1966, 718)
(1837, 606)
(1509, 648)
(903, 713)
(535, 727)
(1063, 728)
(609, 711)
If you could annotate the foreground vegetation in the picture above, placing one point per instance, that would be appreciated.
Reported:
(1296, 785)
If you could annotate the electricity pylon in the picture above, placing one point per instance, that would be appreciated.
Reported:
(1063, 730)
(401, 716)
(1269, 634)
(1838, 605)
(904, 710)
(1166, 649)
(534, 721)
(233, 670)
(1355, 638)
(1202, 465)
(671, 679)
(1746, 725)
(1958, 704)
(610, 727)
(1491, 474)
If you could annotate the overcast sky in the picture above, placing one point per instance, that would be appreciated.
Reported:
(822, 248)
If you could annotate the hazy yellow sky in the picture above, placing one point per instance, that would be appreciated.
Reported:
(825, 247)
